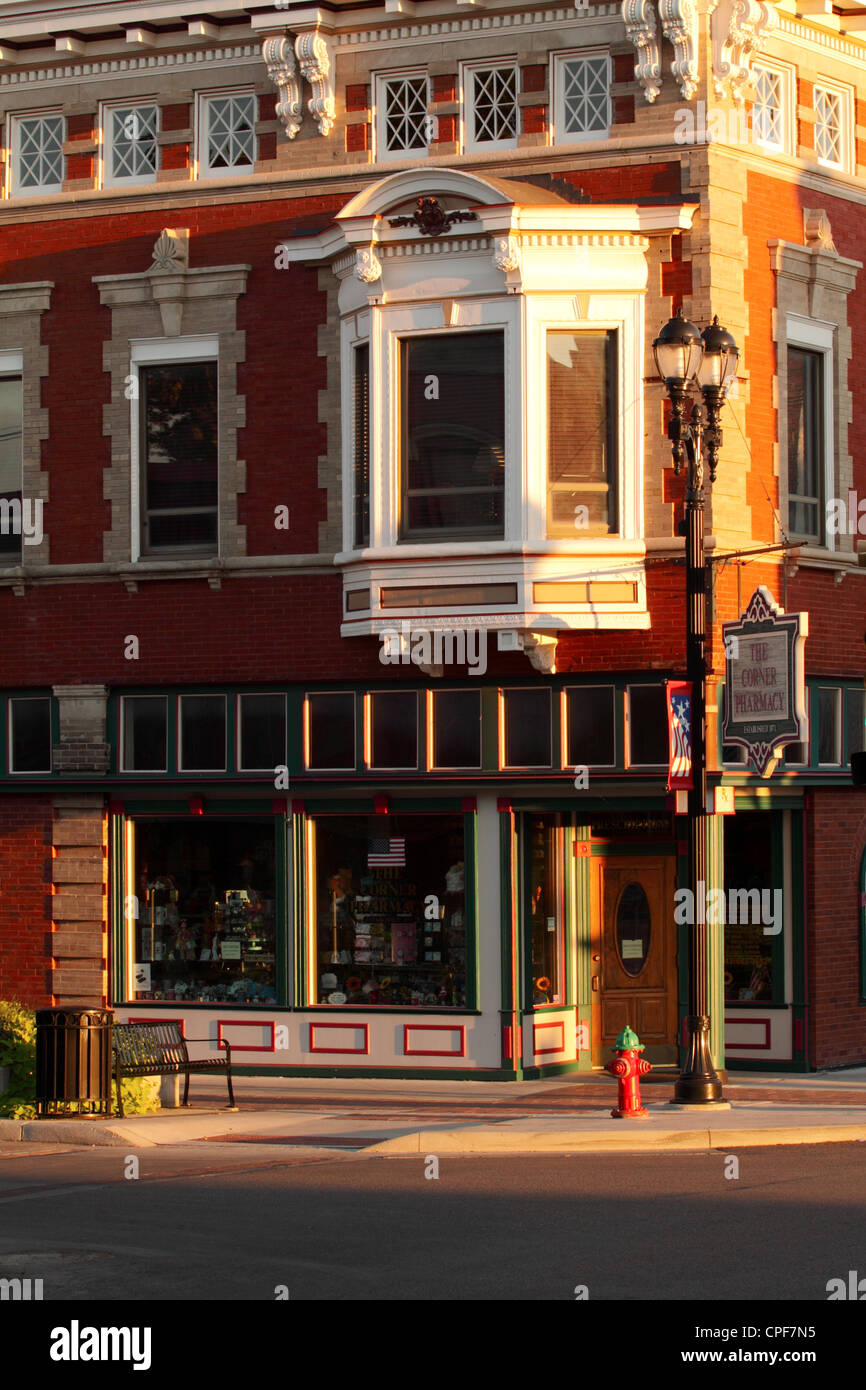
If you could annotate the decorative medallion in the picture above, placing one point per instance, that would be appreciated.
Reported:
(431, 219)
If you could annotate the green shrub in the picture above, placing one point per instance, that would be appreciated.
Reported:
(18, 1052)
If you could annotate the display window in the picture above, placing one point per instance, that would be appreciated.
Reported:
(751, 973)
(201, 919)
(546, 916)
(388, 911)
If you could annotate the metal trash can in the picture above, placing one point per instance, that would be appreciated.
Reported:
(73, 1062)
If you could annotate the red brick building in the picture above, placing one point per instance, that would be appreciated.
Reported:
(340, 562)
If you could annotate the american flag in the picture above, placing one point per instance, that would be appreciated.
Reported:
(387, 850)
(679, 701)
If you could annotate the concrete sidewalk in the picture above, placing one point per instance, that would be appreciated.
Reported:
(556, 1115)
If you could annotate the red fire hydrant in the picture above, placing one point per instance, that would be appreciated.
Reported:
(628, 1068)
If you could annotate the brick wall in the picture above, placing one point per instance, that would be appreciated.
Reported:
(25, 899)
(836, 837)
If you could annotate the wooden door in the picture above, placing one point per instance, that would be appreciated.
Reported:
(634, 955)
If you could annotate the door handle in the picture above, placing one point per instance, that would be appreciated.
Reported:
(595, 984)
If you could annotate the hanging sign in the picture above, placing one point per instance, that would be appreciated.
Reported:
(679, 706)
(765, 679)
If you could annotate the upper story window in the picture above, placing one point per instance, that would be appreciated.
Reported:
(581, 100)
(12, 517)
(490, 106)
(361, 441)
(129, 151)
(582, 466)
(453, 436)
(227, 140)
(37, 154)
(30, 734)
(770, 109)
(178, 441)
(806, 442)
(402, 125)
(832, 125)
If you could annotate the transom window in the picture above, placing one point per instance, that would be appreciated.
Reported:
(805, 442)
(453, 435)
(768, 111)
(37, 156)
(491, 106)
(829, 126)
(402, 124)
(228, 136)
(130, 143)
(582, 97)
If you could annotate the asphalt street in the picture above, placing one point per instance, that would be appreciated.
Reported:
(246, 1221)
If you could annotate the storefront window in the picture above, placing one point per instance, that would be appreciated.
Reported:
(203, 921)
(545, 910)
(389, 910)
(749, 867)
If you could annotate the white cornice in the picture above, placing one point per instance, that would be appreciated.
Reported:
(233, 55)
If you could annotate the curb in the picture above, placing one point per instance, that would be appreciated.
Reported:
(493, 1141)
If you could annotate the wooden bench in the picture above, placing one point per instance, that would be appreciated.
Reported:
(160, 1049)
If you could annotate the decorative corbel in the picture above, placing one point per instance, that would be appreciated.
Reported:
(540, 647)
(641, 27)
(313, 51)
(279, 59)
(680, 24)
(737, 28)
(506, 253)
(368, 267)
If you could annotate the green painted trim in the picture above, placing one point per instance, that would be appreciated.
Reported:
(115, 904)
(862, 925)
(281, 913)
(506, 905)
(299, 926)
(716, 941)
(582, 879)
(470, 908)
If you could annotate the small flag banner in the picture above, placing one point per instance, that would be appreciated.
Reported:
(385, 851)
(679, 705)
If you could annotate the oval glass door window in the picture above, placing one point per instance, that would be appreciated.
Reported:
(633, 929)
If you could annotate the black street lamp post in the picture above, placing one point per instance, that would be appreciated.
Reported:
(685, 358)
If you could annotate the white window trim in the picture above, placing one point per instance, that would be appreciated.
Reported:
(149, 352)
(836, 691)
(202, 121)
(817, 336)
(152, 771)
(105, 178)
(559, 135)
(469, 143)
(201, 695)
(239, 747)
(846, 107)
(788, 109)
(14, 189)
(380, 81)
(40, 772)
